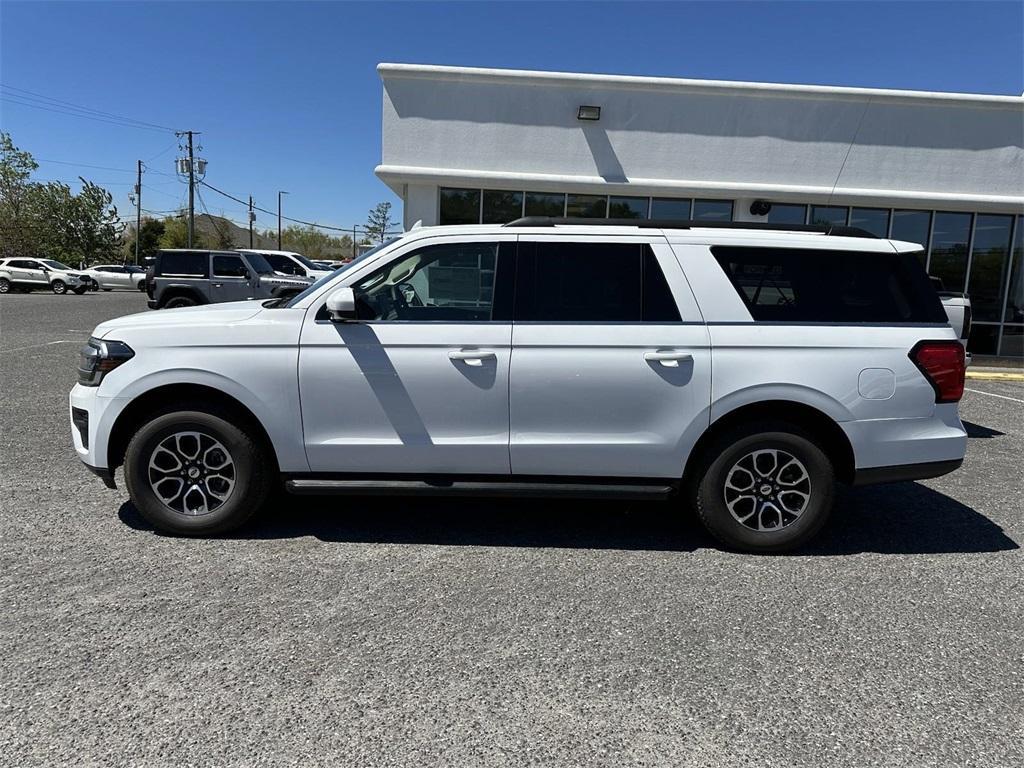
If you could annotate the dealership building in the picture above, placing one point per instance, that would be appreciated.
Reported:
(465, 145)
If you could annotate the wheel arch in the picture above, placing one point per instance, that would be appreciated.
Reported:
(808, 418)
(173, 291)
(185, 395)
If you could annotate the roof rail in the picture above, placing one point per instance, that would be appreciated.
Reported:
(823, 229)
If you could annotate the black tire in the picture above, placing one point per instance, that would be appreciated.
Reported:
(59, 287)
(93, 285)
(712, 497)
(180, 301)
(5, 285)
(252, 472)
(80, 290)
(142, 285)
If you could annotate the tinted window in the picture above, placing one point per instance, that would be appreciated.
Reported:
(873, 220)
(950, 235)
(670, 208)
(545, 204)
(449, 282)
(186, 263)
(587, 206)
(627, 208)
(796, 285)
(712, 210)
(228, 266)
(785, 213)
(501, 207)
(828, 214)
(283, 264)
(912, 227)
(591, 282)
(22, 264)
(989, 252)
(1015, 295)
(460, 206)
(259, 263)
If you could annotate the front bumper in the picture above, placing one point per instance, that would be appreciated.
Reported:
(92, 419)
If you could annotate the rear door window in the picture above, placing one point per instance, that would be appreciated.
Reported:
(185, 263)
(591, 283)
(228, 266)
(825, 286)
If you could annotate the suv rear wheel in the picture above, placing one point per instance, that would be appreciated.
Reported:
(180, 301)
(191, 473)
(767, 487)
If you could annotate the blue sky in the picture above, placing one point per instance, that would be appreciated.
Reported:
(287, 97)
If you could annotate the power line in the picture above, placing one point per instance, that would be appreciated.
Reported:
(41, 101)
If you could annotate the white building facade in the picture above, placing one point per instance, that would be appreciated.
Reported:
(464, 145)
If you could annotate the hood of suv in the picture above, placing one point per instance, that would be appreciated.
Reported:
(183, 317)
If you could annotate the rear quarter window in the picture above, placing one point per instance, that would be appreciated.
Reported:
(184, 263)
(829, 286)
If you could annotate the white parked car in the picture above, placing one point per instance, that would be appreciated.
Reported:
(33, 274)
(290, 263)
(738, 371)
(107, 277)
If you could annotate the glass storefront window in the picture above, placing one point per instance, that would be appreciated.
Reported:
(873, 220)
(712, 210)
(627, 208)
(1013, 341)
(984, 339)
(989, 251)
(950, 236)
(787, 213)
(670, 208)
(912, 227)
(501, 207)
(1015, 297)
(828, 214)
(587, 206)
(545, 204)
(460, 206)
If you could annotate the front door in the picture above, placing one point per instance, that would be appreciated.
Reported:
(230, 279)
(419, 385)
(34, 273)
(611, 360)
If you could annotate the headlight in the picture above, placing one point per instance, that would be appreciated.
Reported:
(99, 357)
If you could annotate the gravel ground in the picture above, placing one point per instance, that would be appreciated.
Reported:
(466, 633)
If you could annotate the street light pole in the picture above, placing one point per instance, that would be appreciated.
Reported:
(279, 218)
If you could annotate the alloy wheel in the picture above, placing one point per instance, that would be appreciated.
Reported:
(191, 473)
(767, 489)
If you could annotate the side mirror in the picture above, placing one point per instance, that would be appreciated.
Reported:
(247, 274)
(341, 306)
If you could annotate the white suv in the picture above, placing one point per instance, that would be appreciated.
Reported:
(740, 371)
(32, 274)
(290, 263)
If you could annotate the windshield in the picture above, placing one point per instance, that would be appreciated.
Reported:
(55, 264)
(305, 262)
(358, 259)
(259, 264)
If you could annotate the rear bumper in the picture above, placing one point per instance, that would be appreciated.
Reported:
(895, 446)
(903, 472)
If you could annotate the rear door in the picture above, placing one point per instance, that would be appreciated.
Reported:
(611, 363)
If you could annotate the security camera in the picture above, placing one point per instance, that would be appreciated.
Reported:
(760, 207)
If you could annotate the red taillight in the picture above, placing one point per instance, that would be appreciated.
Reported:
(942, 363)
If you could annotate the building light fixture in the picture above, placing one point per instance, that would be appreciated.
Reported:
(588, 112)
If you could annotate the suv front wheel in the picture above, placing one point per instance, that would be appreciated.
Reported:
(766, 488)
(191, 473)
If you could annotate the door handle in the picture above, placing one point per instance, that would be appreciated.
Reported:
(668, 358)
(474, 357)
(218, 285)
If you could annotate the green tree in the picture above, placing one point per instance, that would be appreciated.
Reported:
(149, 240)
(175, 233)
(16, 228)
(379, 222)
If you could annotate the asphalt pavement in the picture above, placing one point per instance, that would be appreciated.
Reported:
(374, 632)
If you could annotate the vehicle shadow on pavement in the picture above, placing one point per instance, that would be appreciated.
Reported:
(902, 518)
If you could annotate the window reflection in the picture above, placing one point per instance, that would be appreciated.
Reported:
(912, 227)
(873, 220)
(988, 265)
(545, 204)
(828, 214)
(787, 213)
(627, 208)
(501, 207)
(460, 206)
(587, 206)
(670, 208)
(712, 210)
(950, 236)
(1015, 296)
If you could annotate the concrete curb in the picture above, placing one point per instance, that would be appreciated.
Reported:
(994, 376)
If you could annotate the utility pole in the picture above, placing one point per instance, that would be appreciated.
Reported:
(138, 210)
(252, 217)
(191, 192)
(354, 251)
(279, 218)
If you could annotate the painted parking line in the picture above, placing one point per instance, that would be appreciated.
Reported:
(994, 376)
(993, 394)
(46, 344)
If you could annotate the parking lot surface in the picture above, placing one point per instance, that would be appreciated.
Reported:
(477, 632)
